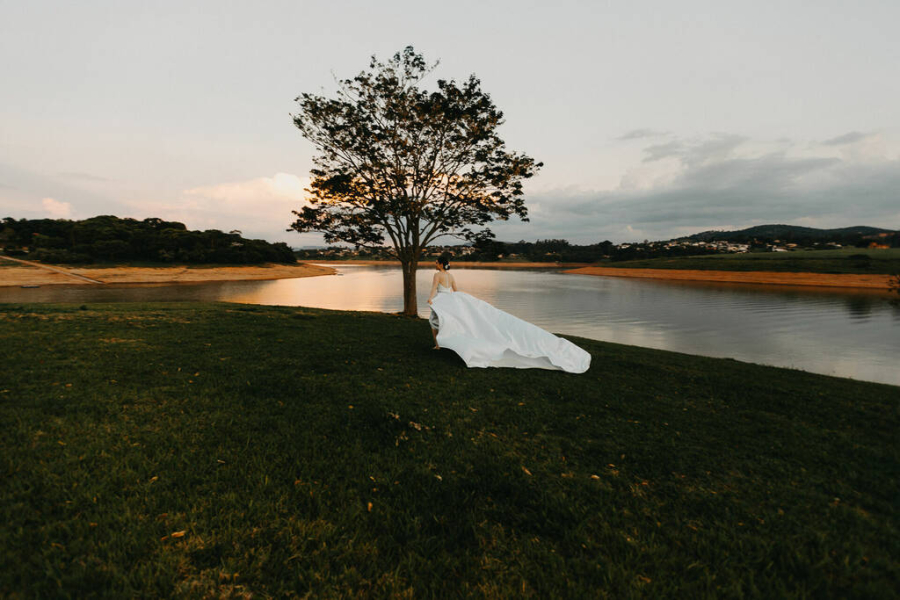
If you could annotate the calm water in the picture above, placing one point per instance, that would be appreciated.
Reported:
(833, 332)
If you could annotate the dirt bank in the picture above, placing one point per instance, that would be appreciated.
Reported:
(427, 264)
(758, 277)
(37, 274)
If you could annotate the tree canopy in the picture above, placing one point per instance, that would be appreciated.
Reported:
(401, 166)
(110, 238)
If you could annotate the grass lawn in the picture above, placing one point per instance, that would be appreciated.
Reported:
(210, 450)
(846, 260)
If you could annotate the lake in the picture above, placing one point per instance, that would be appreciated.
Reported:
(824, 330)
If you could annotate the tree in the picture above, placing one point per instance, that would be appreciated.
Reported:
(399, 162)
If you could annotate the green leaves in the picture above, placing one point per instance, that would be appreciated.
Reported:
(400, 164)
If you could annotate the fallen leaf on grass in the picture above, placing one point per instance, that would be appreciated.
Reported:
(152, 479)
(527, 472)
(370, 507)
(178, 534)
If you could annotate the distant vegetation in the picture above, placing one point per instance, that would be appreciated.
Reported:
(111, 239)
(845, 260)
(766, 239)
(848, 236)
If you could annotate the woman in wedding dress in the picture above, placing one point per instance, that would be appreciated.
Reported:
(485, 336)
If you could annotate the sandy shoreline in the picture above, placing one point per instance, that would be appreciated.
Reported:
(34, 274)
(31, 274)
(878, 282)
(428, 264)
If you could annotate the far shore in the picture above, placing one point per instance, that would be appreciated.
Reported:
(26, 273)
(872, 282)
(427, 264)
(876, 282)
(36, 274)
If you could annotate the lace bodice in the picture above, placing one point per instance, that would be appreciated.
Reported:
(441, 288)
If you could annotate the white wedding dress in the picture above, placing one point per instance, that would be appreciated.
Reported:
(485, 336)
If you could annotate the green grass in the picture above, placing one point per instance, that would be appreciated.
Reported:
(307, 451)
(883, 261)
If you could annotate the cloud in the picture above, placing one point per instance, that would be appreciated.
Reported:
(57, 209)
(638, 134)
(259, 207)
(660, 151)
(722, 181)
(847, 138)
(84, 177)
(717, 146)
(859, 147)
(282, 188)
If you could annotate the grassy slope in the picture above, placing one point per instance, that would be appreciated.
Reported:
(802, 261)
(305, 450)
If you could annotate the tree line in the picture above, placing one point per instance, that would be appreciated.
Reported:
(549, 250)
(560, 250)
(109, 238)
(805, 239)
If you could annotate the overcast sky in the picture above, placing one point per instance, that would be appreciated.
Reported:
(653, 118)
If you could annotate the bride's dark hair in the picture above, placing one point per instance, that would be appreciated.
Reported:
(445, 261)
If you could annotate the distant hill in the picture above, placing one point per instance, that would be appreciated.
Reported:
(108, 238)
(788, 232)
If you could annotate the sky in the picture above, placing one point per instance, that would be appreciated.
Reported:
(654, 119)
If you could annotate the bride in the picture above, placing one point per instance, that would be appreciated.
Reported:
(485, 336)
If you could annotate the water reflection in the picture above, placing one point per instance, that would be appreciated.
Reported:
(825, 330)
(859, 308)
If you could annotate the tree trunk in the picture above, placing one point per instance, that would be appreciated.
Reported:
(410, 305)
